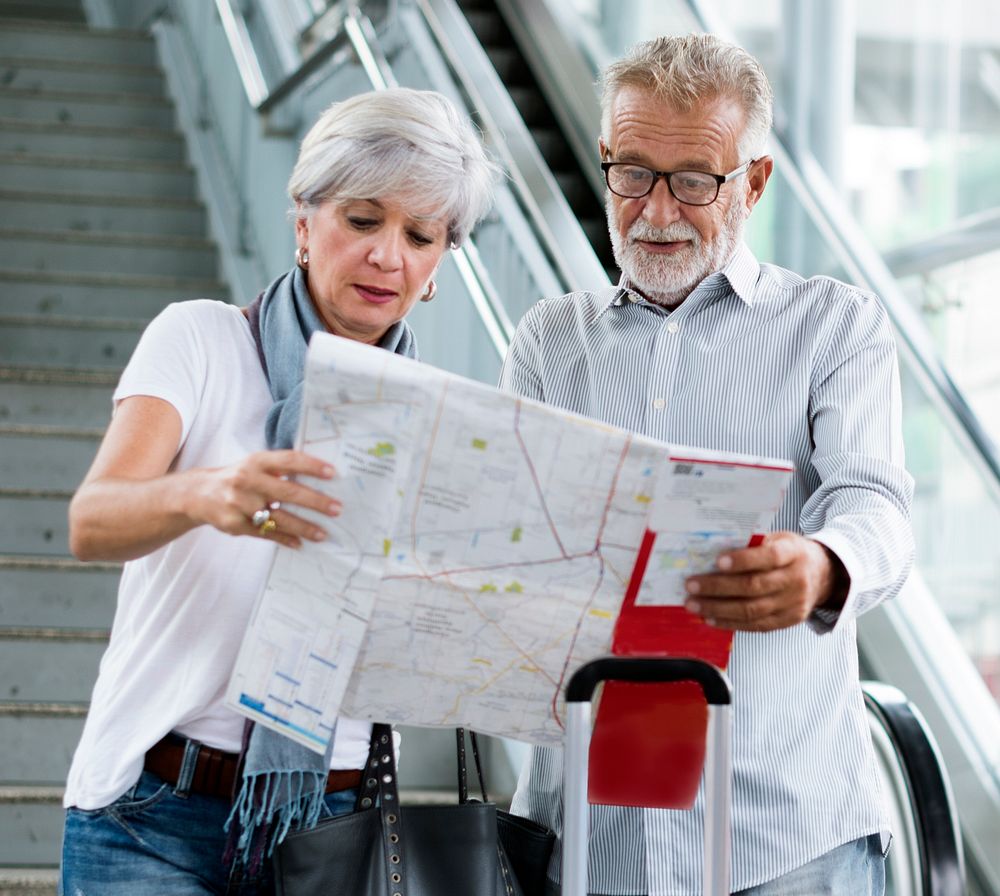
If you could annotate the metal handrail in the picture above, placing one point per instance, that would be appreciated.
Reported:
(238, 37)
(557, 228)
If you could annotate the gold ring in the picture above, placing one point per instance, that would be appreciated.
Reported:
(267, 526)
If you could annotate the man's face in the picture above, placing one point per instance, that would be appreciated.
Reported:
(666, 248)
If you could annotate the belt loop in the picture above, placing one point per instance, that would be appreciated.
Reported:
(188, 765)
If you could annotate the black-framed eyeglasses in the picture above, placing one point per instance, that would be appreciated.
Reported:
(631, 181)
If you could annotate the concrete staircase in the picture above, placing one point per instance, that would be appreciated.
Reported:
(99, 229)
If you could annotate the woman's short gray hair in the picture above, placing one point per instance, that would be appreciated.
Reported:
(685, 72)
(409, 144)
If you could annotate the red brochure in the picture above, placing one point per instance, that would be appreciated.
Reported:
(648, 743)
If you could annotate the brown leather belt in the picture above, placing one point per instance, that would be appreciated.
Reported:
(215, 770)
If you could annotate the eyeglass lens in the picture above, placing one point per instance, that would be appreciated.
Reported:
(692, 187)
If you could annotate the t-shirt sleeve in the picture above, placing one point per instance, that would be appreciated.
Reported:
(168, 363)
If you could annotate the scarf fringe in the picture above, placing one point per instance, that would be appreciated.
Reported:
(269, 805)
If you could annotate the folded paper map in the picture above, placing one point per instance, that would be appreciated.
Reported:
(483, 552)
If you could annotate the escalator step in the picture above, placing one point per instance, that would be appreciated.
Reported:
(489, 27)
(532, 106)
(508, 63)
(554, 148)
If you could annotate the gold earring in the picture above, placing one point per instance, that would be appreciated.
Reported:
(302, 257)
(430, 292)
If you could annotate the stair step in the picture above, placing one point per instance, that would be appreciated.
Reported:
(45, 592)
(46, 457)
(21, 881)
(77, 43)
(33, 73)
(98, 252)
(67, 342)
(66, 211)
(45, 668)
(48, 10)
(86, 107)
(23, 727)
(54, 403)
(31, 822)
(33, 523)
(130, 177)
(90, 140)
(135, 296)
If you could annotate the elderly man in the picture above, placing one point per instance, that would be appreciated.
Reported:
(700, 344)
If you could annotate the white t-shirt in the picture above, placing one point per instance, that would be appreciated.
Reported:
(183, 608)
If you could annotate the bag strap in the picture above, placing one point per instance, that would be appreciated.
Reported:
(463, 785)
(378, 784)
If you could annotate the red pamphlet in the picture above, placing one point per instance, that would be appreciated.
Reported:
(648, 743)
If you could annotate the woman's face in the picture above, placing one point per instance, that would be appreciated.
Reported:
(369, 261)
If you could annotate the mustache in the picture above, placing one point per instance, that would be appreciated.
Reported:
(676, 232)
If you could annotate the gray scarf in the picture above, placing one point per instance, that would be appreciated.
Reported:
(283, 783)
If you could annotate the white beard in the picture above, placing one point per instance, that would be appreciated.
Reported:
(670, 279)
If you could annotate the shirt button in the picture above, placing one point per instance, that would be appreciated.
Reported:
(673, 327)
(659, 404)
(632, 297)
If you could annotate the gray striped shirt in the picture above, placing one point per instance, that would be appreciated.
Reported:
(760, 361)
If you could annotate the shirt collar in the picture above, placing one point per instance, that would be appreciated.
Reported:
(742, 272)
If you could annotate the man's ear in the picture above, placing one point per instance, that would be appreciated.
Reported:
(602, 148)
(757, 178)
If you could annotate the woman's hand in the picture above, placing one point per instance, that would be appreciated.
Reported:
(227, 498)
(130, 503)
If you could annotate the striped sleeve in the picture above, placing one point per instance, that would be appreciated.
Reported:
(860, 510)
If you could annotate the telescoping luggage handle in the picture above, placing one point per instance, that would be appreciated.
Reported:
(718, 759)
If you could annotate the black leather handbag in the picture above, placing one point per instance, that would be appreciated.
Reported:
(382, 849)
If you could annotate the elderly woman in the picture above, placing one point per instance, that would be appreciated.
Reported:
(195, 485)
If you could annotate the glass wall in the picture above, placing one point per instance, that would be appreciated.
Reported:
(915, 151)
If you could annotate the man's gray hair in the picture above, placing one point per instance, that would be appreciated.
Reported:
(687, 71)
(411, 146)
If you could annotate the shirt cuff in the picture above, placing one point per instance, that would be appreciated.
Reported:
(823, 620)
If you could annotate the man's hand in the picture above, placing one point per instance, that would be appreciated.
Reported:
(774, 585)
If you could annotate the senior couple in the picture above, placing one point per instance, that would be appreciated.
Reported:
(196, 485)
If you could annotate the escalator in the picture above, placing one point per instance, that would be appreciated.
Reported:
(495, 37)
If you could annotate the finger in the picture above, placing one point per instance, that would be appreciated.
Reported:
(778, 549)
(750, 584)
(725, 612)
(288, 541)
(287, 461)
(255, 489)
(770, 623)
(290, 492)
(294, 526)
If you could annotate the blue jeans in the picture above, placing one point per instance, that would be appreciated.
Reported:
(854, 869)
(151, 842)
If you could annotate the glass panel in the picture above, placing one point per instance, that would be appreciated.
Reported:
(920, 148)
(958, 301)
